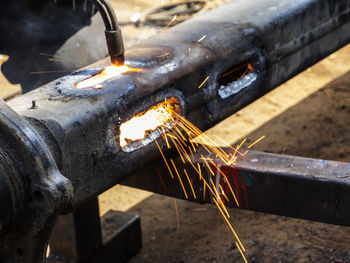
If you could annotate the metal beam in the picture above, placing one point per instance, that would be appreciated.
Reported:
(279, 38)
(317, 190)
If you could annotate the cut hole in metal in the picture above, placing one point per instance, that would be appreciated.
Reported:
(148, 125)
(236, 79)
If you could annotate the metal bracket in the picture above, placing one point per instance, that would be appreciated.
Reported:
(78, 236)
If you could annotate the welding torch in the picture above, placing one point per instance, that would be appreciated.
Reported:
(113, 33)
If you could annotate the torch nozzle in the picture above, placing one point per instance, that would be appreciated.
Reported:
(115, 46)
(117, 60)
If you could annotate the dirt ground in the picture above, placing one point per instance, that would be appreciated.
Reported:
(307, 116)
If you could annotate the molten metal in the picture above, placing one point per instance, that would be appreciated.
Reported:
(106, 74)
(139, 127)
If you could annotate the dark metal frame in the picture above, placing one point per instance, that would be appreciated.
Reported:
(75, 132)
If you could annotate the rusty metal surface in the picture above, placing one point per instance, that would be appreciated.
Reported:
(313, 189)
(39, 191)
(71, 136)
(279, 40)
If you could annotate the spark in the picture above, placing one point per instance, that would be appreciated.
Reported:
(258, 140)
(203, 82)
(205, 160)
(199, 172)
(230, 226)
(178, 149)
(167, 165)
(242, 254)
(199, 40)
(223, 193)
(240, 145)
(178, 175)
(229, 185)
(171, 21)
(189, 181)
(249, 67)
(218, 198)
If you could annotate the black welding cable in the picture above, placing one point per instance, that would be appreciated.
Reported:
(104, 14)
(111, 13)
(113, 33)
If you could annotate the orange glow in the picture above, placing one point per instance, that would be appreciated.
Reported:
(139, 126)
(179, 134)
(106, 74)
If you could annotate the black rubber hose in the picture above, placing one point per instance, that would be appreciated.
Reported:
(111, 13)
(104, 14)
(113, 33)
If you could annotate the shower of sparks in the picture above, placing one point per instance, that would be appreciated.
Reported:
(106, 74)
(206, 79)
(178, 133)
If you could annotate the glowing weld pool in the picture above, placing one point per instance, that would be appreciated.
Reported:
(106, 74)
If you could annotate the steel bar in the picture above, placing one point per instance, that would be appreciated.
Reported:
(317, 190)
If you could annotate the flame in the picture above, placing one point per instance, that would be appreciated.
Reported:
(106, 74)
(140, 125)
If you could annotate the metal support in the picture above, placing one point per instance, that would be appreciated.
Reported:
(78, 236)
(317, 190)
